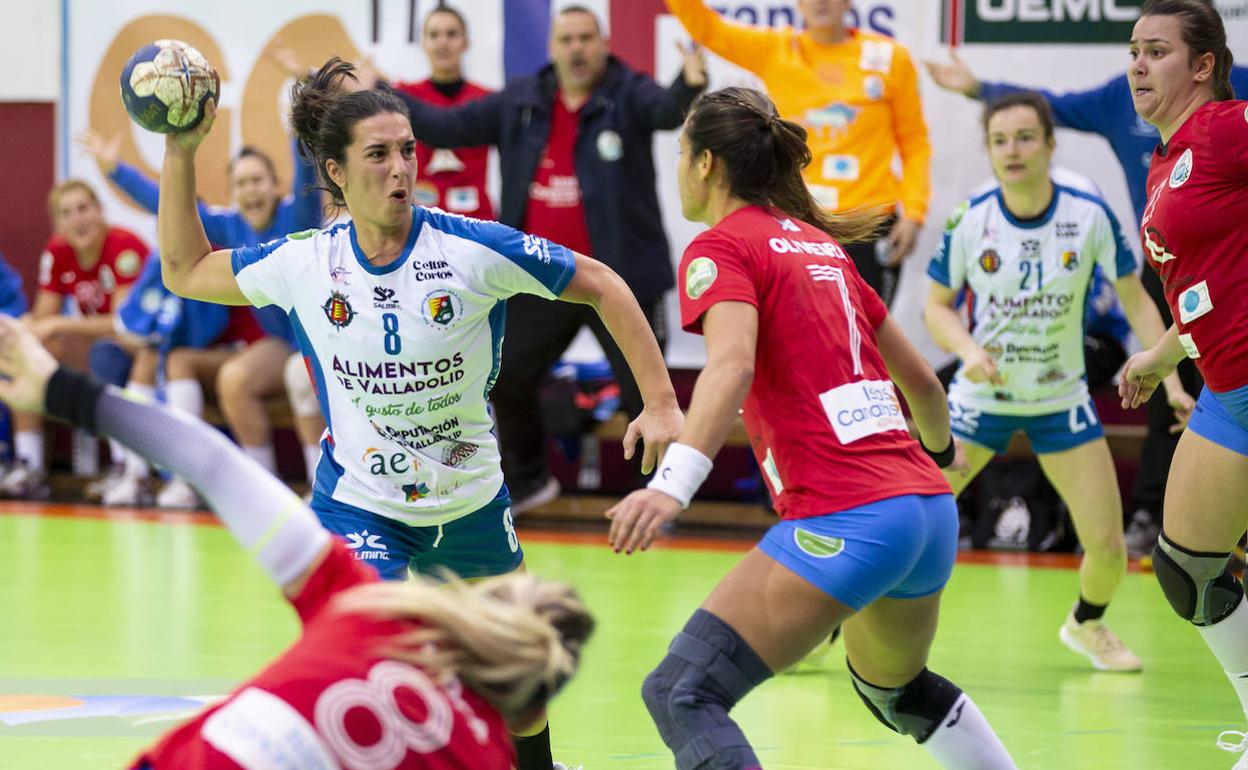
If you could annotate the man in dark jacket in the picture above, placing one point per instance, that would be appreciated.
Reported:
(575, 150)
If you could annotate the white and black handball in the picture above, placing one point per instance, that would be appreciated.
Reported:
(165, 84)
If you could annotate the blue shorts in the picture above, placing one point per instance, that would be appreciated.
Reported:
(1222, 418)
(1053, 432)
(903, 548)
(481, 544)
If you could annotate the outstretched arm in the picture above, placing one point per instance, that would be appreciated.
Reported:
(660, 421)
(266, 518)
(731, 330)
(188, 264)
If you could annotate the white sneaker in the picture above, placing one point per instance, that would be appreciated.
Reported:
(24, 483)
(95, 491)
(1093, 640)
(538, 497)
(561, 766)
(178, 494)
(128, 491)
(1236, 743)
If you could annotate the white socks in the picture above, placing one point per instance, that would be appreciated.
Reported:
(263, 455)
(186, 396)
(1228, 639)
(965, 741)
(28, 446)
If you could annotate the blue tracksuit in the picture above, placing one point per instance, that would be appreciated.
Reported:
(227, 229)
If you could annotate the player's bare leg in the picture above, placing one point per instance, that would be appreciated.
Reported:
(887, 646)
(763, 617)
(242, 385)
(1085, 478)
(1205, 514)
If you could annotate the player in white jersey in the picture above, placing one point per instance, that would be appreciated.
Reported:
(400, 312)
(1024, 252)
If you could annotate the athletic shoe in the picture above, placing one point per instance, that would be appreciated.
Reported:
(561, 766)
(1235, 742)
(534, 497)
(1093, 640)
(95, 491)
(1141, 534)
(178, 494)
(128, 492)
(24, 483)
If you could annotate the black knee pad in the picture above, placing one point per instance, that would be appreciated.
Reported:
(708, 669)
(1199, 586)
(915, 709)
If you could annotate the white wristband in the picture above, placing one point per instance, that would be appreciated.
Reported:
(681, 472)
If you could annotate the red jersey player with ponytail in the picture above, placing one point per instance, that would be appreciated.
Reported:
(868, 530)
(1195, 237)
(452, 180)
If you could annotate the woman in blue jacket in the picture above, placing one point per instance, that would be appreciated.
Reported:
(260, 213)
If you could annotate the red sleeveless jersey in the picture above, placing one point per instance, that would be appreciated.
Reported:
(824, 421)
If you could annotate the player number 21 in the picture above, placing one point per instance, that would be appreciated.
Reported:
(1029, 266)
(392, 342)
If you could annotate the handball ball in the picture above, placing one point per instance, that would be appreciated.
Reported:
(165, 84)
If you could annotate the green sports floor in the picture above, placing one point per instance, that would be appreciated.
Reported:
(112, 627)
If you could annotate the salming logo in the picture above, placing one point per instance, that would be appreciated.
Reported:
(358, 540)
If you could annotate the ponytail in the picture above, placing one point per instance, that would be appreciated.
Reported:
(514, 640)
(764, 156)
(323, 112)
(1222, 90)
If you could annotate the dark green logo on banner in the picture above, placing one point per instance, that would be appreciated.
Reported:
(1039, 21)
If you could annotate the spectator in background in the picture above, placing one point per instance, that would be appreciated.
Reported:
(182, 345)
(12, 303)
(257, 371)
(575, 143)
(857, 95)
(1107, 110)
(452, 180)
(85, 273)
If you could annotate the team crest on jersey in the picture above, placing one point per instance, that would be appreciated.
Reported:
(414, 492)
(989, 261)
(338, 310)
(699, 276)
(1182, 170)
(1070, 260)
(441, 308)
